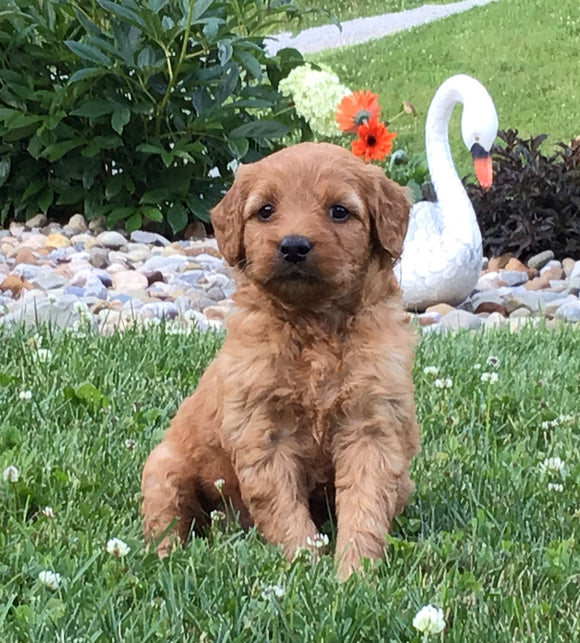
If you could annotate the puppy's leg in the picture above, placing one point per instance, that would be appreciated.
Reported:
(273, 485)
(368, 473)
(169, 496)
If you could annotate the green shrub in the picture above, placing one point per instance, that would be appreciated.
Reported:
(122, 108)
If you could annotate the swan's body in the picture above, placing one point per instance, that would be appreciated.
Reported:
(442, 255)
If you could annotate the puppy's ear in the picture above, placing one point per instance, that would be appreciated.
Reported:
(228, 222)
(389, 208)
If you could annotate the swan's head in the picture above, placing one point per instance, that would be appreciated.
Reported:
(478, 127)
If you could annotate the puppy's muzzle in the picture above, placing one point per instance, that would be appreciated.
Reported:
(294, 248)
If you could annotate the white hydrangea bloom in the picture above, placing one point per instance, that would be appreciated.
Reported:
(316, 94)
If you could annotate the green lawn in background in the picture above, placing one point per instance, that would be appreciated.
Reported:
(485, 537)
(526, 52)
(349, 9)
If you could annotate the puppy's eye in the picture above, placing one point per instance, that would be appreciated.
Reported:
(338, 213)
(265, 212)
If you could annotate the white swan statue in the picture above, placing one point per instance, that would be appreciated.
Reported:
(442, 255)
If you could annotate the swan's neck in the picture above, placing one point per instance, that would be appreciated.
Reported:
(457, 211)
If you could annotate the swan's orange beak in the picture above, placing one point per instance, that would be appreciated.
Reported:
(482, 166)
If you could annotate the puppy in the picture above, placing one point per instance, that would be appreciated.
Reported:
(309, 403)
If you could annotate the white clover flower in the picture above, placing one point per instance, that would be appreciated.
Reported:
(50, 579)
(477, 366)
(42, 355)
(554, 465)
(130, 444)
(431, 370)
(319, 541)
(11, 473)
(48, 512)
(550, 424)
(272, 591)
(217, 516)
(494, 361)
(555, 486)
(25, 395)
(116, 547)
(444, 382)
(219, 484)
(489, 377)
(316, 95)
(564, 419)
(429, 620)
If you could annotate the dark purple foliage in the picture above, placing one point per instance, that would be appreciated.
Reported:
(534, 203)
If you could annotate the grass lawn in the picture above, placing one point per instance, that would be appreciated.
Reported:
(526, 52)
(349, 9)
(485, 537)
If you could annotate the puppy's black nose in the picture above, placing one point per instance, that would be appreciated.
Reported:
(294, 248)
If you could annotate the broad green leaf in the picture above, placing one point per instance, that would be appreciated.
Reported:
(167, 157)
(122, 12)
(114, 186)
(199, 208)
(56, 151)
(238, 147)
(120, 118)
(250, 63)
(148, 148)
(90, 26)
(153, 214)
(156, 5)
(33, 188)
(201, 100)
(45, 199)
(96, 108)
(177, 217)
(87, 72)
(71, 195)
(133, 222)
(88, 52)
(5, 165)
(118, 214)
(111, 142)
(228, 83)
(260, 129)
(146, 57)
(199, 8)
(155, 196)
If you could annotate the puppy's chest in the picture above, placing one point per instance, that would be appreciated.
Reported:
(317, 375)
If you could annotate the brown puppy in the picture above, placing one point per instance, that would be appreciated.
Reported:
(311, 395)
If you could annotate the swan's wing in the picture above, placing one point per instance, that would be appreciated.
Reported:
(436, 265)
(425, 216)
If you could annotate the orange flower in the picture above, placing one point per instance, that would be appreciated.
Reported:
(355, 109)
(374, 141)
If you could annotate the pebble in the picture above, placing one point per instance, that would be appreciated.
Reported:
(80, 273)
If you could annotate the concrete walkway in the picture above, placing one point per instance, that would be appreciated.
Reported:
(363, 29)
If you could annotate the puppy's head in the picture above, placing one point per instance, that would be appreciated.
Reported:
(305, 222)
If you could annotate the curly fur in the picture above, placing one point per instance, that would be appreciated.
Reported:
(310, 401)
